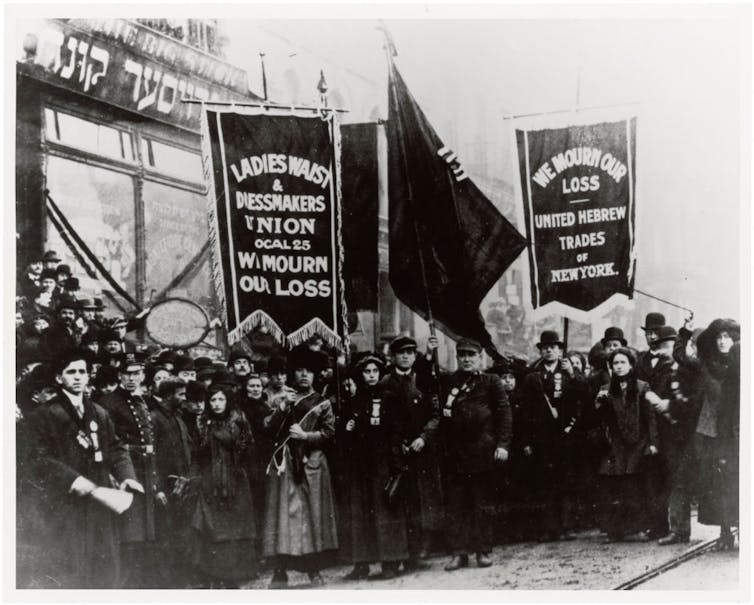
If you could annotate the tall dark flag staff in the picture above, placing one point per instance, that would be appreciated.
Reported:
(391, 52)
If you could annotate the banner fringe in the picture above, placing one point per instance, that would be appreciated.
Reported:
(309, 329)
(214, 243)
(257, 319)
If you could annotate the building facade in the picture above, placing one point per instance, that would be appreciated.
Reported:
(104, 128)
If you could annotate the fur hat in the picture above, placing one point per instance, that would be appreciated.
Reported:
(614, 333)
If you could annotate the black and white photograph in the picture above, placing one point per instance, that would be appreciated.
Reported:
(378, 298)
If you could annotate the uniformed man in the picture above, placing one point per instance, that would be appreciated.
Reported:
(418, 417)
(477, 430)
(133, 424)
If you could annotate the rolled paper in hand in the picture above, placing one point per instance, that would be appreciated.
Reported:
(116, 500)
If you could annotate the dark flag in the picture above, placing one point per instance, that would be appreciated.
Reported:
(448, 242)
(360, 189)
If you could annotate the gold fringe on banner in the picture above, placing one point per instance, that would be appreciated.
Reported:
(256, 319)
(309, 329)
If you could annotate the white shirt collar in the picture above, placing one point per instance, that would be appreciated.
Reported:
(76, 400)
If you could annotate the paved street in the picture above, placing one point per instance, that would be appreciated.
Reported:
(582, 564)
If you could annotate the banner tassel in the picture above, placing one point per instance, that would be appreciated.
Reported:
(309, 329)
(257, 319)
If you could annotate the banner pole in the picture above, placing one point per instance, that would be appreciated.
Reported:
(390, 52)
(565, 335)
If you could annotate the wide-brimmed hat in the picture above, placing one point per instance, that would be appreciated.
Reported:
(653, 321)
(401, 343)
(614, 333)
(549, 337)
(51, 257)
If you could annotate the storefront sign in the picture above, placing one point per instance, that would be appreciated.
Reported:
(130, 66)
(578, 188)
(274, 206)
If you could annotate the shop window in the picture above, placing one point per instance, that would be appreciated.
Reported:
(73, 131)
(99, 204)
(172, 160)
(176, 229)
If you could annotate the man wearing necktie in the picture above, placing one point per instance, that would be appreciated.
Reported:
(133, 424)
(74, 451)
(647, 361)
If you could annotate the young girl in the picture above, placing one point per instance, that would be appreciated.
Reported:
(631, 431)
(372, 529)
(224, 514)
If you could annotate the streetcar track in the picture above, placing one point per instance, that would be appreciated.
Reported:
(688, 555)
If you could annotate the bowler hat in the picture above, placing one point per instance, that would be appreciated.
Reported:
(401, 343)
(666, 333)
(66, 269)
(276, 365)
(549, 337)
(47, 274)
(87, 303)
(66, 302)
(98, 304)
(183, 363)
(202, 362)
(51, 257)
(653, 321)
(613, 333)
(468, 344)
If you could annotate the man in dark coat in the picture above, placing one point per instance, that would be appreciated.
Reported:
(173, 457)
(133, 424)
(63, 333)
(418, 419)
(552, 394)
(74, 450)
(477, 430)
(648, 360)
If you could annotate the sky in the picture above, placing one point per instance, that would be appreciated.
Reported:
(682, 76)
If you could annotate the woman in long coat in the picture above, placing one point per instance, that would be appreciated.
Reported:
(224, 514)
(371, 530)
(716, 437)
(300, 529)
(630, 429)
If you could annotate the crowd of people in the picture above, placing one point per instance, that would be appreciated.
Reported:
(231, 469)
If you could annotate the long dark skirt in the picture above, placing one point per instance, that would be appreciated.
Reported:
(625, 504)
(717, 488)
